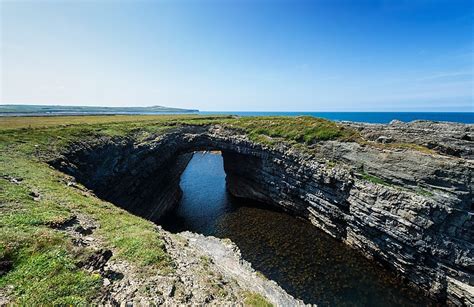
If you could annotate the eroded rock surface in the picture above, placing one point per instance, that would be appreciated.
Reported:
(448, 138)
(408, 208)
(206, 271)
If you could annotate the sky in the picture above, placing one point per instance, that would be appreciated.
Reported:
(241, 55)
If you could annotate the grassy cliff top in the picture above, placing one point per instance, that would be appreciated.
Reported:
(293, 129)
(35, 197)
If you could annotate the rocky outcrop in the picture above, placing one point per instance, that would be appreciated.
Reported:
(409, 209)
(448, 138)
(228, 261)
(206, 271)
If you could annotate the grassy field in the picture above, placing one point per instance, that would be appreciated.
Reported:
(34, 196)
(64, 121)
(292, 129)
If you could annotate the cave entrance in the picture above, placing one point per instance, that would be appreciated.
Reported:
(204, 197)
(206, 204)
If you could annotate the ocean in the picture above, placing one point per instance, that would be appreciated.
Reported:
(367, 117)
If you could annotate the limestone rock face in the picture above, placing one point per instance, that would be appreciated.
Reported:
(449, 138)
(410, 210)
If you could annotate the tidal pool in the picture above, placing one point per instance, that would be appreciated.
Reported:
(306, 262)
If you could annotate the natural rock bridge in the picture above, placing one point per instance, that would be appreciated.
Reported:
(413, 213)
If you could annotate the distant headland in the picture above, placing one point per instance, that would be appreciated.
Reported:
(12, 109)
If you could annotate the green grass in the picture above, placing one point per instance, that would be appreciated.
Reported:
(255, 300)
(51, 277)
(91, 121)
(377, 180)
(44, 260)
(374, 179)
(424, 192)
(300, 129)
(307, 130)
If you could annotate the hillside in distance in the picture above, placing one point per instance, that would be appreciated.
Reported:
(12, 109)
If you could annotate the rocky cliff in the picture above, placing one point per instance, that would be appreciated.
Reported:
(402, 196)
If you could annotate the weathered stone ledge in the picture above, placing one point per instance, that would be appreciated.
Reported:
(228, 260)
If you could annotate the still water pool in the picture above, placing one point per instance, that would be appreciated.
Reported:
(306, 262)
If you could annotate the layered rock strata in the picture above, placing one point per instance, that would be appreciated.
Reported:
(409, 209)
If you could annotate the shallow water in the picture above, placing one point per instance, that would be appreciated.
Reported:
(306, 262)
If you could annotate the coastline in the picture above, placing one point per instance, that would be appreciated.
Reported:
(359, 117)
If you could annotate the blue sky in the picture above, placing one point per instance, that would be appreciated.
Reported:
(240, 55)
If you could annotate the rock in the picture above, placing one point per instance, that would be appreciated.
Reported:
(15, 180)
(97, 260)
(408, 207)
(5, 266)
(228, 261)
(461, 294)
(63, 224)
(169, 290)
(384, 139)
(395, 122)
(452, 139)
(84, 231)
(106, 282)
(112, 275)
(35, 195)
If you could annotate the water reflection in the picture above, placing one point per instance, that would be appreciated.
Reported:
(306, 262)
